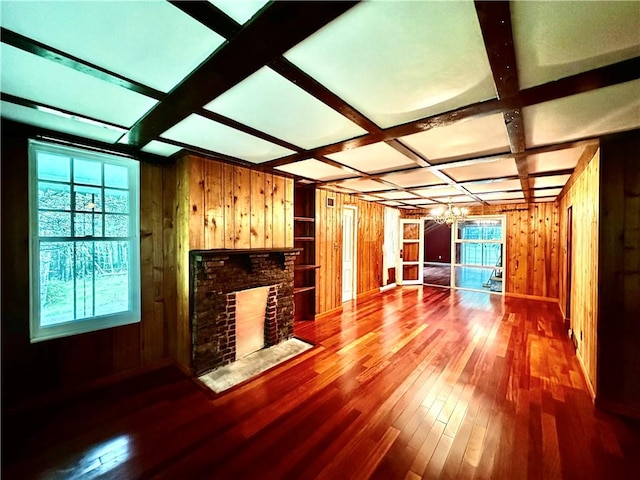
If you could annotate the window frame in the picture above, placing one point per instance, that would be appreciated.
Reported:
(38, 332)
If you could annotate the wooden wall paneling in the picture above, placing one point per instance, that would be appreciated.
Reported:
(183, 216)
(279, 198)
(268, 210)
(321, 252)
(196, 199)
(242, 178)
(214, 229)
(288, 212)
(169, 253)
(257, 209)
(229, 206)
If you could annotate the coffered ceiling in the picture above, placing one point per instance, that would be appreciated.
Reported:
(407, 103)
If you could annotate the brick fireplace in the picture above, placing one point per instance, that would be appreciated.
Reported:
(218, 279)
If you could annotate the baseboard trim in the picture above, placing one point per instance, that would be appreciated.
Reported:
(617, 408)
(532, 297)
(328, 312)
(587, 380)
(368, 293)
(390, 286)
(63, 394)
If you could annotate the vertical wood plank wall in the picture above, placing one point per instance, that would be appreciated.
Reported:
(618, 380)
(583, 197)
(532, 246)
(370, 235)
(225, 206)
(66, 363)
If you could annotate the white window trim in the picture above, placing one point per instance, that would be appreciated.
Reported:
(133, 315)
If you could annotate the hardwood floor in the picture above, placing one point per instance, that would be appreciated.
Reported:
(416, 382)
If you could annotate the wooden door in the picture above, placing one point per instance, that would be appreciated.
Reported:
(411, 252)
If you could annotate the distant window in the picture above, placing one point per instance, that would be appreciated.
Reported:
(85, 242)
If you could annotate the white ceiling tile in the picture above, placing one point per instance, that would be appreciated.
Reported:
(548, 192)
(438, 191)
(556, 160)
(474, 136)
(204, 133)
(407, 207)
(457, 199)
(364, 185)
(420, 201)
(550, 181)
(588, 114)
(267, 101)
(316, 169)
(391, 203)
(397, 195)
(558, 39)
(374, 158)
(369, 198)
(153, 43)
(34, 78)
(493, 186)
(500, 168)
(58, 123)
(413, 178)
(239, 10)
(501, 195)
(505, 202)
(400, 61)
(160, 148)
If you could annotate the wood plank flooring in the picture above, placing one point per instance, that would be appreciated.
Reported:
(417, 382)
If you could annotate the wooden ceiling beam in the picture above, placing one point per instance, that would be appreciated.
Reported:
(284, 24)
(210, 16)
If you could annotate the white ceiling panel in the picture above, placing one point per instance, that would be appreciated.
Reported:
(588, 114)
(316, 169)
(391, 203)
(153, 43)
(556, 160)
(499, 186)
(204, 133)
(438, 191)
(58, 123)
(397, 195)
(558, 39)
(364, 185)
(420, 201)
(267, 101)
(548, 192)
(550, 181)
(407, 207)
(239, 10)
(475, 136)
(160, 148)
(458, 199)
(374, 158)
(501, 196)
(504, 167)
(43, 81)
(369, 198)
(400, 61)
(505, 202)
(413, 178)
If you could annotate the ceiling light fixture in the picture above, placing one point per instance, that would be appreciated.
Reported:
(448, 215)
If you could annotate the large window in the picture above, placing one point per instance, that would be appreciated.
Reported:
(85, 244)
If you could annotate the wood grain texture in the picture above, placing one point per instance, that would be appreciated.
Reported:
(583, 197)
(398, 386)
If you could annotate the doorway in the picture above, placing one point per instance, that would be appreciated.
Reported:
(349, 252)
(437, 254)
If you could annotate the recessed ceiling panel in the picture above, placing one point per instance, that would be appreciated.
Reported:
(458, 199)
(419, 201)
(499, 186)
(239, 10)
(160, 148)
(551, 181)
(548, 192)
(439, 191)
(153, 43)
(391, 203)
(558, 39)
(316, 169)
(43, 81)
(50, 121)
(501, 196)
(556, 160)
(400, 61)
(204, 133)
(606, 110)
(397, 195)
(504, 167)
(369, 198)
(475, 136)
(374, 158)
(267, 101)
(364, 185)
(413, 178)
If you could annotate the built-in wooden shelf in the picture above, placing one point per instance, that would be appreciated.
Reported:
(304, 219)
(304, 239)
(303, 289)
(306, 267)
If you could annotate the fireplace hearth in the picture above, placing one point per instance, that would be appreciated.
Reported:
(221, 278)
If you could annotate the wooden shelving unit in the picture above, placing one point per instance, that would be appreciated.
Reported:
(304, 236)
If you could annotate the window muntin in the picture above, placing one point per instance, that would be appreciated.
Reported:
(85, 245)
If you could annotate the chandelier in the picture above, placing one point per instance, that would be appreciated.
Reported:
(448, 215)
